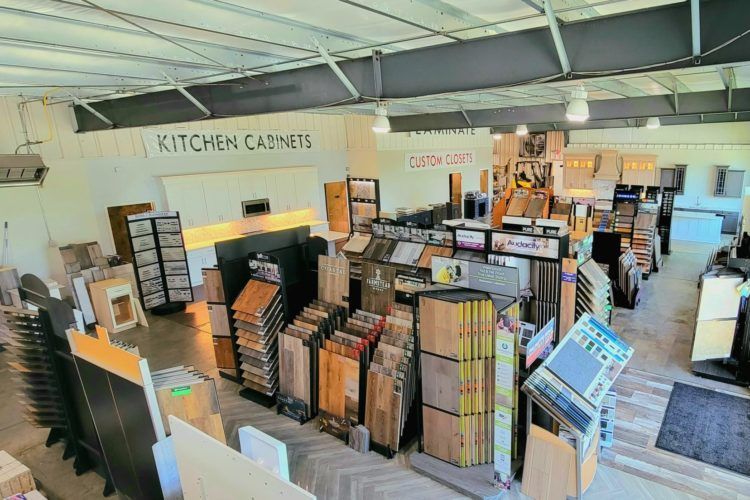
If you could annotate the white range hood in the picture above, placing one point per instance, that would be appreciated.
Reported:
(608, 166)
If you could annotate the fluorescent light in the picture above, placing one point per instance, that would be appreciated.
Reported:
(497, 136)
(653, 122)
(522, 130)
(578, 108)
(381, 124)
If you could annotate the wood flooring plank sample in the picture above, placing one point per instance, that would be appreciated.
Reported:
(383, 409)
(440, 322)
(333, 280)
(440, 383)
(378, 290)
(255, 297)
(442, 438)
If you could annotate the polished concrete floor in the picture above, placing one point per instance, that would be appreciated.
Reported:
(660, 330)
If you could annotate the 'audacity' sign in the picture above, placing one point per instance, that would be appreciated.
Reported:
(181, 142)
(430, 160)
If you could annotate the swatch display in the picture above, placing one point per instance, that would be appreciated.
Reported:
(259, 316)
(593, 292)
(545, 283)
(425, 260)
(407, 253)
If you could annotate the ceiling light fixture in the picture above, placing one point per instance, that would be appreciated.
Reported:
(653, 123)
(522, 130)
(381, 124)
(578, 108)
(497, 136)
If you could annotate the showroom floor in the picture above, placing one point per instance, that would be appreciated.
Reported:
(660, 330)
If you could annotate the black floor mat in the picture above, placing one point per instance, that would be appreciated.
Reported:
(709, 426)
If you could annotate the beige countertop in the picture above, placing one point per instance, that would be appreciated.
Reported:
(331, 235)
(210, 242)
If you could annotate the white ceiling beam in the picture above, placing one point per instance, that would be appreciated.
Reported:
(695, 21)
(557, 37)
(336, 70)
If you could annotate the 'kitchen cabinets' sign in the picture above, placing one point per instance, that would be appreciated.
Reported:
(430, 160)
(181, 142)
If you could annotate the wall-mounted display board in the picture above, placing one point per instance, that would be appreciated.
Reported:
(160, 261)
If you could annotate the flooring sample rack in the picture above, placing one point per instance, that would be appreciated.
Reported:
(626, 212)
(364, 202)
(44, 338)
(593, 294)
(665, 219)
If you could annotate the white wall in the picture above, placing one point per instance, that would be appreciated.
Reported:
(89, 172)
(700, 147)
(399, 188)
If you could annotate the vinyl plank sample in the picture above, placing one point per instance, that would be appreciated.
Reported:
(441, 385)
(442, 436)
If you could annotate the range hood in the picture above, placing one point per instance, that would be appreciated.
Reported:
(22, 170)
(608, 166)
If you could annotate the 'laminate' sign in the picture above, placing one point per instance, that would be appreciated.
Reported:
(431, 160)
(182, 142)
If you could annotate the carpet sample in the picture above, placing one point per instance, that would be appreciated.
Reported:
(709, 426)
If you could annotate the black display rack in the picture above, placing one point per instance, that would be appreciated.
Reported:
(625, 202)
(665, 219)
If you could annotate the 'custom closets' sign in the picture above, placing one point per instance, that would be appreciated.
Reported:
(181, 142)
(430, 160)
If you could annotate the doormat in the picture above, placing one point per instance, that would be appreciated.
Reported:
(709, 426)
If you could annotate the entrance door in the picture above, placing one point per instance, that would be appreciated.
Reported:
(337, 206)
(119, 229)
(484, 181)
(455, 188)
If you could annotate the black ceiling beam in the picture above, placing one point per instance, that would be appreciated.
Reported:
(658, 38)
(692, 103)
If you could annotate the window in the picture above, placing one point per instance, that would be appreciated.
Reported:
(729, 183)
(720, 187)
(674, 178)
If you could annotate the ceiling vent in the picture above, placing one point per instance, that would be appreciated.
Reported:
(22, 170)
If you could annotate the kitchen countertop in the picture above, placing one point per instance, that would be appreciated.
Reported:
(331, 235)
(210, 242)
(689, 214)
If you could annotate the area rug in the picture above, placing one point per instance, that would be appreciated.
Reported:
(709, 426)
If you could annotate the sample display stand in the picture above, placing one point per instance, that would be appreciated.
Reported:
(54, 318)
(545, 253)
(571, 384)
(364, 203)
(665, 219)
(626, 211)
(160, 261)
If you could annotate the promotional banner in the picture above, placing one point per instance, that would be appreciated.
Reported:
(467, 239)
(433, 160)
(182, 142)
(522, 244)
(475, 275)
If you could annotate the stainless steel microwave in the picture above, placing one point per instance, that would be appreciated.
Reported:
(254, 208)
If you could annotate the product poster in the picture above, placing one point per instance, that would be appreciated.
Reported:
(503, 445)
(470, 240)
(523, 245)
(146, 257)
(173, 253)
(151, 301)
(184, 295)
(148, 272)
(168, 225)
(489, 278)
(141, 243)
(170, 239)
(171, 268)
(152, 286)
(140, 227)
(182, 281)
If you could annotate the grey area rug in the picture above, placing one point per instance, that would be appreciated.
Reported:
(709, 426)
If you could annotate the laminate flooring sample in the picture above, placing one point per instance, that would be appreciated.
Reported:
(442, 437)
(255, 297)
(338, 384)
(333, 280)
(535, 208)
(294, 362)
(383, 409)
(378, 290)
(517, 206)
(407, 253)
(357, 243)
(439, 324)
(441, 386)
(425, 260)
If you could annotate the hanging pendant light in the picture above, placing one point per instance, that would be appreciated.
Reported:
(497, 136)
(578, 107)
(653, 122)
(522, 130)
(381, 124)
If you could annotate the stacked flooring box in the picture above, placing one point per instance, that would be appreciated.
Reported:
(259, 316)
(457, 349)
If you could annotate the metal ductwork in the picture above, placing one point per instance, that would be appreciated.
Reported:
(22, 170)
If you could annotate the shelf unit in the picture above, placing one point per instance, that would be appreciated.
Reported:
(626, 211)
(665, 218)
(643, 237)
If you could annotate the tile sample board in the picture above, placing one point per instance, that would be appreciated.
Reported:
(159, 258)
(378, 290)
